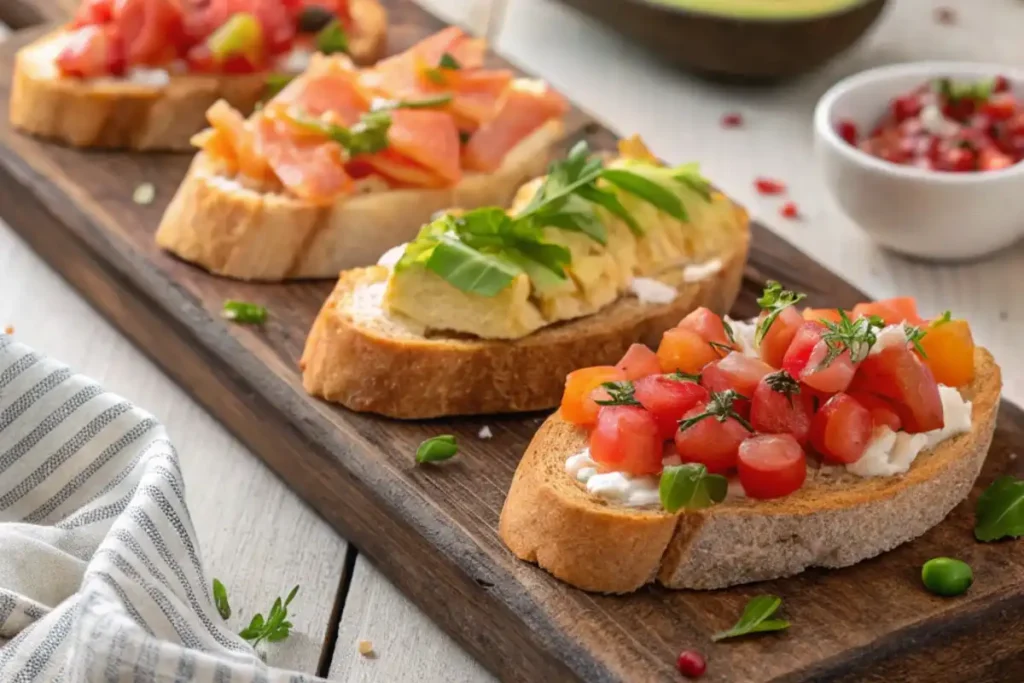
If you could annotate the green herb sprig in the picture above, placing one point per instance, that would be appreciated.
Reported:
(275, 627)
(914, 336)
(437, 449)
(942, 319)
(721, 407)
(773, 301)
(690, 487)
(619, 394)
(1000, 510)
(756, 618)
(220, 599)
(332, 39)
(368, 135)
(782, 382)
(856, 336)
(436, 74)
(244, 312)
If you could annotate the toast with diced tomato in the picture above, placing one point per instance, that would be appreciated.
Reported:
(357, 356)
(835, 519)
(151, 112)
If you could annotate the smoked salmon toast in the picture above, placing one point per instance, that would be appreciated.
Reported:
(140, 74)
(345, 163)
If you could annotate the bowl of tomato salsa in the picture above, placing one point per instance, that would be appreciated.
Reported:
(928, 158)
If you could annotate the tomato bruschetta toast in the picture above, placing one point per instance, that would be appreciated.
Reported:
(345, 163)
(486, 310)
(746, 451)
(140, 74)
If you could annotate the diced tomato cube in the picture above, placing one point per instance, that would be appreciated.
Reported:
(897, 374)
(779, 336)
(1000, 107)
(684, 350)
(668, 399)
(949, 350)
(780, 406)
(805, 360)
(891, 311)
(771, 466)
(712, 443)
(738, 372)
(829, 314)
(86, 53)
(710, 327)
(626, 439)
(578, 404)
(841, 430)
(883, 412)
(638, 362)
(806, 338)
(991, 159)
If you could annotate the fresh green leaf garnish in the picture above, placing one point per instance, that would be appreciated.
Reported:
(276, 83)
(422, 103)
(437, 449)
(619, 394)
(914, 336)
(680, 376)
(1000, 511)
(332, 38)
(856, 336)
(449, 62)
(942, 319)
(690, 487)
(773, 301)
(720, 407)
(220, 599)
(275, 627)
(689, 175)
(730, 335)
(244, 312)
(368, 135)
(471, 270)
(952, 90)
(755, 618)
(648, 190)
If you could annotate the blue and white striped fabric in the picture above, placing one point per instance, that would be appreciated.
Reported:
(100, 576)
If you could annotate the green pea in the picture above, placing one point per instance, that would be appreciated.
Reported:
(946, 576)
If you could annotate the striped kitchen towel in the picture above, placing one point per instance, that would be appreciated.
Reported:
(100, 576)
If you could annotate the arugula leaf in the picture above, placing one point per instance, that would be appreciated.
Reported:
(437, 449)
(648, 190)
(275, 627)
(368, 135)
(575, 215)
(689, 175)
(276, 83)
(469, 269)
(755, 618)
(220, 599)
(332, 38)
(690, 487)
(449, 62)
(438, 100)
(611, 203)
(773, 301)
(1000, 511)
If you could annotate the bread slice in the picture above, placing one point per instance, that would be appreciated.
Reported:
(836, 520)
(114, 113)
(215, 222)
(357, 356)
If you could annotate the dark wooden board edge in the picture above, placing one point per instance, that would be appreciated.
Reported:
(251, 415)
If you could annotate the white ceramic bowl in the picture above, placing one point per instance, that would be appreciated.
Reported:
(928, 214)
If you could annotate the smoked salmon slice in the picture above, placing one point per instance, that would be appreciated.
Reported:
(525, 107)
(310, 168)
(429, 138)
(331, 85)
(400, 171)
(232, 132)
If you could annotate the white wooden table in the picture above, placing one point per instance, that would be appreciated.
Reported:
(257, 535)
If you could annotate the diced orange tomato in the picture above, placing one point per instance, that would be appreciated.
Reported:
(828, 314)
(709, 326)
(892, 311)
(684, 350)
(779, 336)
(578, 405)
(638, 362)
(949, 352)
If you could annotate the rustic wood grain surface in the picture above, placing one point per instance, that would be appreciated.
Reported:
(775, 143)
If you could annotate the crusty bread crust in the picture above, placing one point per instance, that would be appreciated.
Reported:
(369, 362)
(836, 520)
(114, 113)
(237, 232)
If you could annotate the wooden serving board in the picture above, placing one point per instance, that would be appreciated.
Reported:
(432, 530)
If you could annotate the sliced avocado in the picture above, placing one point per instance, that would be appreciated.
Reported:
(764, 9)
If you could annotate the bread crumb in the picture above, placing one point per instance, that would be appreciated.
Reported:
(144, 194)
(366, 648)
(485, 432)
(9, 329)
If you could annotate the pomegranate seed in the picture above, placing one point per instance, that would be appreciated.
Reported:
(1000, 84)
(732, 120)
(769, 186)
(847, 130)
(945, 15)
(790, 210)
(691, 664)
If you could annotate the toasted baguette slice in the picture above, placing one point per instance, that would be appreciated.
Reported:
(835, 520)
(237, 232)
(357, 356)
(112, 113)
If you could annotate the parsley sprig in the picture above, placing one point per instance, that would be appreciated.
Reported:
(275, 627)
(782, 382)
(366, 136)
(619, 394)
(773, 301)
(721, 407)
(856, 336)
(914, 336)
